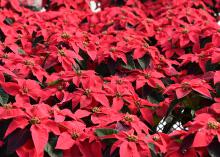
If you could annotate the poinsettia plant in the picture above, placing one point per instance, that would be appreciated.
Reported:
(134, 78)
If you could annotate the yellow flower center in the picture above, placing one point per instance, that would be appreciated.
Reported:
(5, 56)
(132, 138)
(75, 135)
(185, 31)
(34, 120)
(118, 95)
(60, 87)
(78, 72)
(25, 90)
(7, 106)
(112, 49)
(156, 138)
(87, 92)
(146, 45)
(95, 109)
(27, 62)
(61, 52)
(147, 76)
(85, 43)
(213, 125)
(129, 118)
(65, 35)
(119, 81)
(138, 103)
(186, 86)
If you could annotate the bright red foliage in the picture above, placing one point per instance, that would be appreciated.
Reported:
(79, 83)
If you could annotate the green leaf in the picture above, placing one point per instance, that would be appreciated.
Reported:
(213, 148)
(9, 21)
(152, 100)
(52, 83)
(39, 39)
(217, 88)
(153, 95)
(171, 107)
(50, 148)
(152, 149)
(3, 97)
(204, 41)
(156, 119)
(187, 143)
(17, 139)
(20, 51)
(144, 61)
(209, 66)
(103, 132)
(131, 64)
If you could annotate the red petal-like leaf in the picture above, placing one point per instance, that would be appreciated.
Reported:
(180, 93)
(64, 141)
(40, 137)
(204, 91)
(15, 124)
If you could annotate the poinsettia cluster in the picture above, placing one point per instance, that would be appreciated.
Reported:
(77, 83)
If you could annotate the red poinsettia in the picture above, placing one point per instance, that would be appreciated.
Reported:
(187, 86)
(89, 93)
(99, 115)
(78, 141)
(118, 94)
(130, 144)
(149, 77)
(24, 89)
(205, 127)
(66, 57)
(90, 84)
(10, 110)
(40, 125)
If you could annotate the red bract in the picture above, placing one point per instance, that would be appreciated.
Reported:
(99, 115)
(78, 76)
(28, 150)
(178, 146)
(76, 140)
(89, 94)
(205, 128)
(202, 56)
(118, 94)
(217, 77)
(143, 49)
(136, 103)
(215, 106)
(87, 43)
(23, 90)
(24, 66)
(160, 140)
(66, 57)
(57, 114)
(130, 144)
(174, 149)
(72, 136)
(38, 118)
(187, 34)
(187, 86)
(8, 111)
(149, 77)
(111, 51)
(134, 122)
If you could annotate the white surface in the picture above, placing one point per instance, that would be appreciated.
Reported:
(95, 7)
(36, 3)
